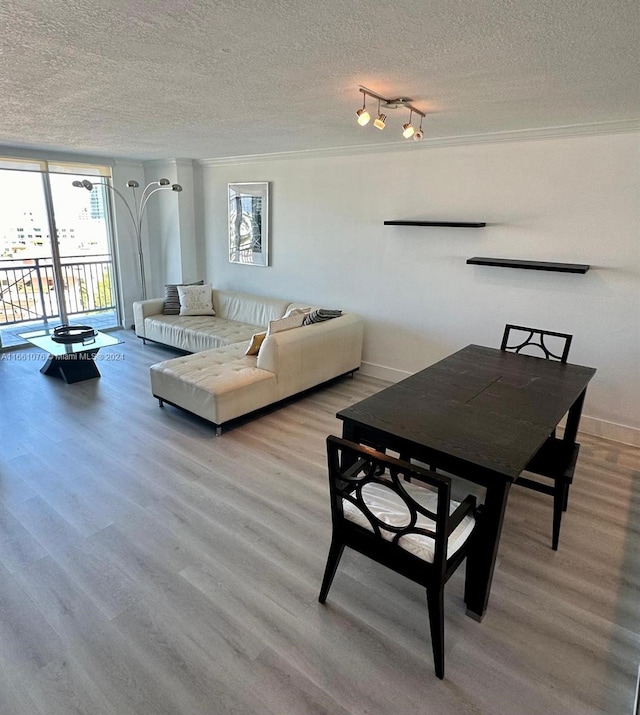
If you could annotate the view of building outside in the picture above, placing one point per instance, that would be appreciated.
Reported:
(27, 275)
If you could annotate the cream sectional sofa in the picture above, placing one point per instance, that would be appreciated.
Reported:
(218, 381)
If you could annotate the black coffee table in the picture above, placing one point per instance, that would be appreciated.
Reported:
(73, 362)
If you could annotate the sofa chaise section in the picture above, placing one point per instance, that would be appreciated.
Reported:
(223, 383)
(218, 385)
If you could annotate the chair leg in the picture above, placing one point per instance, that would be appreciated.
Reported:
(566, 499)
(559, 500)
(435, 602)
(333, 559)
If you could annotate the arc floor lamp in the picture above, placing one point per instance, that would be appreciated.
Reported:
(137, 214)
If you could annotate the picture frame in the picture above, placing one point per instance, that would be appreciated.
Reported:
(248, 212)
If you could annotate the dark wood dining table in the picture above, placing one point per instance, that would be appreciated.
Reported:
(480, 414)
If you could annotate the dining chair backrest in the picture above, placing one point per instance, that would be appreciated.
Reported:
(545, 344)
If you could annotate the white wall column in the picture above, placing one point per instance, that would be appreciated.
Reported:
(170, 243)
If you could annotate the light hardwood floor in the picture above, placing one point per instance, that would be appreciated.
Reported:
(147, 566)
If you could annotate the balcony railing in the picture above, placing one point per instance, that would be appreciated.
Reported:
(28, 293)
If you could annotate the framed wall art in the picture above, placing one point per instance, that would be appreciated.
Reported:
(248, 209)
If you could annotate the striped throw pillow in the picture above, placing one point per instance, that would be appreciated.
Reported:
(320, 315)
(171, 298)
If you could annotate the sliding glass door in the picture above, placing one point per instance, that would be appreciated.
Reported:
(45, 282)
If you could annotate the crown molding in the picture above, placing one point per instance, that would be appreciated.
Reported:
(152, 163)
(560, 132)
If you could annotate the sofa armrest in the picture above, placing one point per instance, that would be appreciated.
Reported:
(143, 309)
(312, 354)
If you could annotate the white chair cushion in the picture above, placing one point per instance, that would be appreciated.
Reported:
(390, 509)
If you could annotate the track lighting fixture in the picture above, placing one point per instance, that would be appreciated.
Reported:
(408, 130)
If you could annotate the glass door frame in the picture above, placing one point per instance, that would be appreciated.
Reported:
(73, 169)
(55, 250)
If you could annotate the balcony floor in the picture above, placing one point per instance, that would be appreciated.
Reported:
(10, 334)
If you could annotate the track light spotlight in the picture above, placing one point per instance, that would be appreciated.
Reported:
(132, 184)
(87, 184)
(362, 114)
(419, 134)
(363, 117)
(380, 121)
(407, 129)
(164, 182)
(176, 187)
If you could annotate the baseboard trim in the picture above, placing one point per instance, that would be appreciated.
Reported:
(589, 425)
(610, 430)
(390, 374)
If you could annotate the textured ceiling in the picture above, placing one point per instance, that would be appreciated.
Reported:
(152, 79)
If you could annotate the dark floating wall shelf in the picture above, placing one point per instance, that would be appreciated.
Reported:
(530, 265)
(448, 224)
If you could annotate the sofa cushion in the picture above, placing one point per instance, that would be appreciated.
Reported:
(172, 299)
(198, 332)
(248, 308)
(256, 342)
(288, 323)
(196, 300)
(320, 315)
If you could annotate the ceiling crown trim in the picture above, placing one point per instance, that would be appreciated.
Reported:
(569, 131)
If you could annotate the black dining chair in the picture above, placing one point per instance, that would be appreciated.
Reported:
(415, 528)
(556, 460)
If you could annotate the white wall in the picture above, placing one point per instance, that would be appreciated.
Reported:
(567, 200)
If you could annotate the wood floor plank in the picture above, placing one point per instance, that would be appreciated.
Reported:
(148, 567)
(27, 640)
(18, 548)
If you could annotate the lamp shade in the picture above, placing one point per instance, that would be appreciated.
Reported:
(379, 123)
(363, 117)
